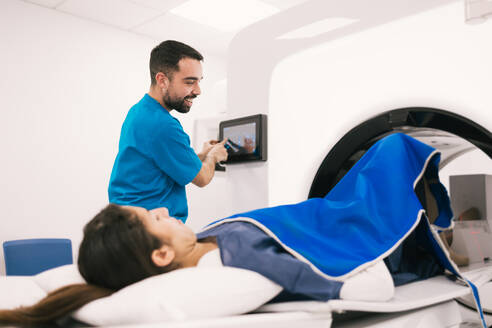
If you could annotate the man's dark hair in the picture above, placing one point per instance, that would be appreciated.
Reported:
(166, 56)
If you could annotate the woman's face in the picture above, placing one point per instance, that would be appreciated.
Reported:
(169, 230)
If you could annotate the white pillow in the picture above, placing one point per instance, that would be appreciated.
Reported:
(53, 279)
(191, 293)
(209, 290)
(18, 291)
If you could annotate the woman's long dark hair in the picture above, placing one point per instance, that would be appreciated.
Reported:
(115, 252)
(55, 305)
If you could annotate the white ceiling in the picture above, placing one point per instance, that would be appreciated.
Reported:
(152, 18)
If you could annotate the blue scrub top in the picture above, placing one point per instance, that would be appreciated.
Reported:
(155, 161)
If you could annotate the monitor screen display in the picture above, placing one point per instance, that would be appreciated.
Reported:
(241, 139)
(246, 138)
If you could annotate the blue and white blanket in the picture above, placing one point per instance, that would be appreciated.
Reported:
(311, 247)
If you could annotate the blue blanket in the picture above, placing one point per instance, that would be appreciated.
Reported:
(365, 217)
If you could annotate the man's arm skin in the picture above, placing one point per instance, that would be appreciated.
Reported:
(216, 154)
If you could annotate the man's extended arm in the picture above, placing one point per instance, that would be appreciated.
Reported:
(216, 154)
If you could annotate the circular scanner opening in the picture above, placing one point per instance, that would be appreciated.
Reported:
(465, 170)
(453, 135)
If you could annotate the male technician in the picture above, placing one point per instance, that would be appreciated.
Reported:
(155, 161)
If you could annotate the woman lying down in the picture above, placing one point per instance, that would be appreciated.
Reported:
(369, 233)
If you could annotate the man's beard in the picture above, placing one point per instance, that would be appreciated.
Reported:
(177, 104)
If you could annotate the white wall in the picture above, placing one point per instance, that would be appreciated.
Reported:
(66, 87)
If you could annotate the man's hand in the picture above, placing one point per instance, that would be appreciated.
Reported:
(218, 151)
(207, 146)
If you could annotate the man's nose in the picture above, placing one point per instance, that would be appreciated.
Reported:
(197, 91)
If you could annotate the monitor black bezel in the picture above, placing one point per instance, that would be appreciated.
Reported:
(261, 137)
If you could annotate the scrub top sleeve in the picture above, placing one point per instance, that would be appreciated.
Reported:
(171, 152)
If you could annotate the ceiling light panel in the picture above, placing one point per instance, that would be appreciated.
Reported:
(284, 4)
(319, 27)
(225, 15)
(161, 5)
(120, 13)
(46, 3)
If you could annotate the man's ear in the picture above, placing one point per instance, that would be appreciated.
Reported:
(163, 256)
(162, 80)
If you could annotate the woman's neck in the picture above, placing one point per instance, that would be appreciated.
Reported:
(201, 248)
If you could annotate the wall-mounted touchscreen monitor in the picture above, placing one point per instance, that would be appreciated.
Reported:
(246, 138)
